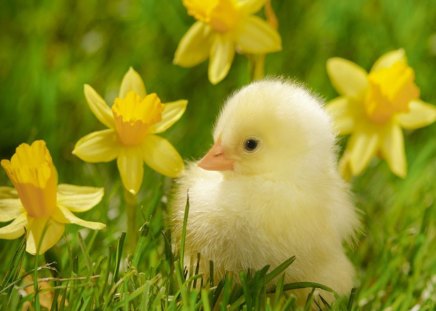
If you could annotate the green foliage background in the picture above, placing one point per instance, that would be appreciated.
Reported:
(50, 49)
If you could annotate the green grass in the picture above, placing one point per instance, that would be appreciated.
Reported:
(49, 49)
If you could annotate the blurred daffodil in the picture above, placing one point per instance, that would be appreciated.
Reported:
(38, 206)
(373, 108)
(223, 27)
(133, 121)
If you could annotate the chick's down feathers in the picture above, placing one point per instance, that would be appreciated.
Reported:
(269, 189)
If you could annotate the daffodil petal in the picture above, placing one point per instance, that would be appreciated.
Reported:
(194, 47)
(161, 156)
(132, 81)
(43, 233)
(388, 59)
(221, 58)
(420, 114)
(78, 198)
(171, 114)
(250, 6)
(348, 78)
(99, 107)
(392, 149)
(15, 229)
(255, 36)
(362, 147)
(339, 110)
(345, 167)
(100, 146)
(10, 208)
(8, 193)
(131, 168)
(69, 217)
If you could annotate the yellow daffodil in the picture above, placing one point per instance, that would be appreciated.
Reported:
(373, 108)
(223, 27)
(38, 206)
(133, 121)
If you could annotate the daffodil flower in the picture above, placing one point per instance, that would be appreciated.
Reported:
(133, 121)
(373, 108)
(223, 27)
(38, 206)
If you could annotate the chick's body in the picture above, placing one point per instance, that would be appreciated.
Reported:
(269, 190)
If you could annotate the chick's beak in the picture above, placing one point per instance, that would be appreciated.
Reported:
(216, 160)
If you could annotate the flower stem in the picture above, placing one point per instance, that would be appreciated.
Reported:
(132, 232)
(257, 66)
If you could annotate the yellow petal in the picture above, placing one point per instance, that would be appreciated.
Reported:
(194, 47)
(10, 208)
(161, 156)
(42, 235)
(171, 114)
(362, 147)
(255, 36)
(79, 198)
(250, 6)
(100, 146)
(99, 107)
(221, 58)
(388, 59)
(348, 78)
(420, 114)
(131, 168)
(8, 193)
(66, 216)
(15, 229)
(340, 112)
(392, 149)
(132, 81)
(345, 167)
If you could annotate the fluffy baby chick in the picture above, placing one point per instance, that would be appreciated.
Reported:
(268, 189)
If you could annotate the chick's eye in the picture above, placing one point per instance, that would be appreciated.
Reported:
(251, 144)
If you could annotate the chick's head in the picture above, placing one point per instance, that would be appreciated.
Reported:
(271, 128)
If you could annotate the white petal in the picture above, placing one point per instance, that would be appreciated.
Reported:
(79, 198)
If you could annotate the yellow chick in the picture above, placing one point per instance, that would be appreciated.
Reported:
(269, 189)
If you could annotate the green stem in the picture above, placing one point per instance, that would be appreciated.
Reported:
(257, 66)
(132, 231)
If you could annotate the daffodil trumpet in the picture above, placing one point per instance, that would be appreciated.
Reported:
(224, 27)
(133, 122)
(373, 108)
(37, 206)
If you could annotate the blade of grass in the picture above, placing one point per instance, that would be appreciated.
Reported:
(118, 257)
(279, 269)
